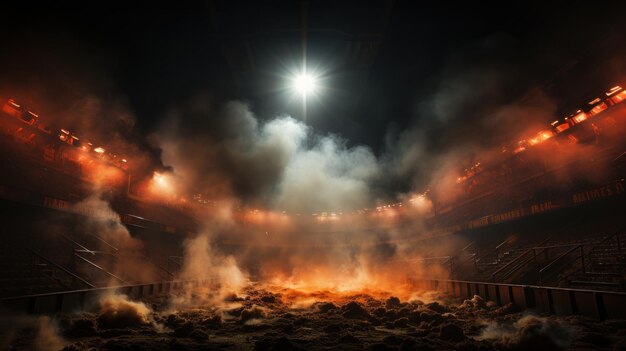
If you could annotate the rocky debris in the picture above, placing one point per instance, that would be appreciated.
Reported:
(401, 322)
(253, 312)
(268, 298)
(183, 331)
(235, 312)
(509, 308)
(451, 332)
(392, 340)
(597, 339)
(404, 312)
(532, 333)
(289, 315)
(417, 303)
(119, 320)
(349, 339)
(381, 347)
(301, 321)
(284, 344)
(213, 322)
(414, 316)
(419, 333)
(413, 345)
(173, 321)
(436, 306)
(176, 344)
(354, 310)
(346, 323)
(78, 346)
(408, 345)
(379, 312)
(391, 315)
(233, 298)
(113, 333)
(81, 328)
(288, 329)
(392, 302)
(375, 321)
(262, 345)
(476, 302)
(198, 335)
(333, 328)
(430, 316)
(325, 307)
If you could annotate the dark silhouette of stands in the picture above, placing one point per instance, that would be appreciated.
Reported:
(563, 250)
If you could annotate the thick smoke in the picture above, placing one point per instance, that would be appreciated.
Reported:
(114, 248)
(225, 152)
(203, 262)
(481, 101)
(39, 333)
(118, 311)
(280, 164)
(104, 222)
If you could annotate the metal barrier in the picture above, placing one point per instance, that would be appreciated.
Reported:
(590, 303)
(77, 300)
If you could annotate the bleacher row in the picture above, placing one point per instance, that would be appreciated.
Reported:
(582, 247)
(57, 261)
(582, 254)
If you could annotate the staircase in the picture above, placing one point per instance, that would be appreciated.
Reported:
(605, 264)
(28, 272)
(58, 262)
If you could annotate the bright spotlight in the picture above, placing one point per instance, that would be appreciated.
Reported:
(160, 180)
(304, 84)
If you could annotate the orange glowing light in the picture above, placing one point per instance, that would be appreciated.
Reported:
(562, 127)
(601, 107)
(545, 135)
(159, 179)
(613, 90)
(619, 97)
(580, 117)
(12, 109)
(99, 150)
(64, 135)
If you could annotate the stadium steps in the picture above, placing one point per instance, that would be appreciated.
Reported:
(597, 280)
(26, 272)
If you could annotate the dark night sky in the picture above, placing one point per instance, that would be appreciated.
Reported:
(158, 56)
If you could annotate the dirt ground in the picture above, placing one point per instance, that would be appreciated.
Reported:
(282, 319)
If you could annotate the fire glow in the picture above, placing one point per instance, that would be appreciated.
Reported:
(162, 186)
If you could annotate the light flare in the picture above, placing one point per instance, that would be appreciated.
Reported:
(305, 84)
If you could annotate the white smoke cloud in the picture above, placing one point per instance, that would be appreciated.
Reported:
(277, 163)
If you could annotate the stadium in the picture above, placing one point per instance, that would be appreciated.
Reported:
(313, 176)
